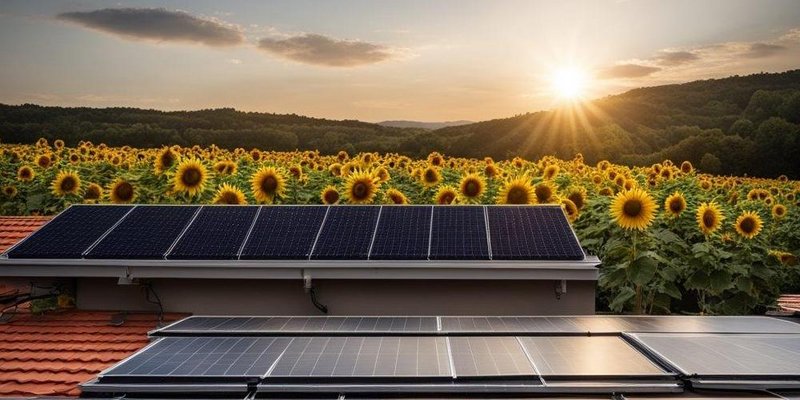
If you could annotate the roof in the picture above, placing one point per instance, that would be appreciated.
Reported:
(13, 229)
(51, 354)
(789, 303)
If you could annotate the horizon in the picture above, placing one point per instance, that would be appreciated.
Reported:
(356, 60)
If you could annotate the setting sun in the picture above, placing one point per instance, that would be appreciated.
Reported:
(569, 83)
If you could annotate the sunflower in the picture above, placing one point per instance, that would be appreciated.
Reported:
(329, 195)
(165, 160)
(472, 187)
(445, 195)
(361, 188)
(394, 196)
(25, 173)
(229, 194)
(778, 211)
(9, 191)
(122, 191)
(517, 191)
(686, 167)
(190, 177)
(570, 209)
(633, 209)
(709, 217)
(577, 195)
(491, 170)
(93, 192)
(550, 172)
(430, 176)
(225, 167)
(66, 182)
(544, 193)
(268, 183)
(44, 161)
(675, 204)
(748, 225)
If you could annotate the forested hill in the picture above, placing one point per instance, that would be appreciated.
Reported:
(737, 125)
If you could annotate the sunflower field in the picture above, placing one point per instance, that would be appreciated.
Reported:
(672, 239)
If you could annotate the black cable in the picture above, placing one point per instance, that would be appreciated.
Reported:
(148, 287)
(316, 303)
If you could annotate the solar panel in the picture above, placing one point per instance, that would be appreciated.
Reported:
(284, 232)
(70, 233)
(403, 233)
(489, 356)
(347, 233)
(216, 233)
(299, 325)
(531, 232)
(459, 233)
(510, 325)
(587, 356)
(364, 357)
(146, 233)
(232, 357)
(726, 355)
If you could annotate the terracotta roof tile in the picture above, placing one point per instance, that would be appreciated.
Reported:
(50, 355)
(789, 302)
(14, 229)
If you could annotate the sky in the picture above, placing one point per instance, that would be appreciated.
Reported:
(377, 60)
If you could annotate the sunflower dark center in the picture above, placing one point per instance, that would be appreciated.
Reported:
(748, 225)
(709, 219)
(430, 176)
(167, 159)
(360, 190)
(676, 205)
(229, 198)
(191, 177)
(68, 184)
(779, 211)
(446, 198)
(124, 191)
(331, 196)
(632, 208)
(269, 184)
(577, 199)
(517, 195)
(92, 193)
(543, 193)
(25, 173)
(472, 188)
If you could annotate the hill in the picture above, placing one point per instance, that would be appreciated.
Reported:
(736, 125)
(424, 125)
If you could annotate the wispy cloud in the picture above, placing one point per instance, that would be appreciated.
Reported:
(326, 51)
(157, 24)
(761, 50)
(627, 71)
(672, 58)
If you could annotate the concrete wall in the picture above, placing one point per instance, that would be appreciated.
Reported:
(342, 297)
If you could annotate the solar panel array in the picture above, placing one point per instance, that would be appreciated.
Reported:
(320, 356)
(177, 232)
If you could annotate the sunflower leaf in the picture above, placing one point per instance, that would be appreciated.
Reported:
(642, 270)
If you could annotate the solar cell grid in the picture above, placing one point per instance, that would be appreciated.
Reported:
(489, 356)
(70, 233)
(587, 356)
(284, 232)
(532, 232)
(204, 357)
(266, 325)
(216, 233)
(367, 357)
(147, 232)
(727, 355)
(459, 233)
(510, 324)
(347, 233)
(403, 233)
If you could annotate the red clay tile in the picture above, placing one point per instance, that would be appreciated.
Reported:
(14, 229)
(51, 354)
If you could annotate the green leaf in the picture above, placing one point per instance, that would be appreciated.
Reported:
(642, 270)
(672, 290)
(719, 280)
(622, 297)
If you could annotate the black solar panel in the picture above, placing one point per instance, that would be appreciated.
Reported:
(364, 357)
(234, 357)
(532, 233)
(217, 233)
(299, 325)
(459, 233)
(284, 232)
(347, 233)
(70, 233)
(489, 356)
(146, 233)
(403, 233)
(511, 325)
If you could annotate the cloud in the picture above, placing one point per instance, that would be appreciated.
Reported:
(157, 24)
(672, 58)
(322, 50)
(627, 71)
(761, 50)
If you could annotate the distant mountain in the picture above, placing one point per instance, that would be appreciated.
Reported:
(424, 125)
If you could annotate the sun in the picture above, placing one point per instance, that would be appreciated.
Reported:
(570, 82)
